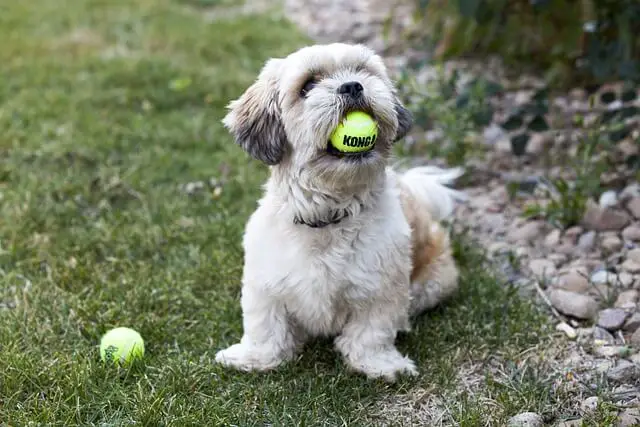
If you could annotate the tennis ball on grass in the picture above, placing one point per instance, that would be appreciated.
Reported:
(121, 346)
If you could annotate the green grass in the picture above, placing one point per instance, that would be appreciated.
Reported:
(106, 110)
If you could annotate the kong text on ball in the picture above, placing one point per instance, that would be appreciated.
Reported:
(356, 133)
(121, 346)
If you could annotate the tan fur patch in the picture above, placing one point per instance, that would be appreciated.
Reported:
(428, 240)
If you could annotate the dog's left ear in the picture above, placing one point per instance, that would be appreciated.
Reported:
(254, 119)
(405, 120)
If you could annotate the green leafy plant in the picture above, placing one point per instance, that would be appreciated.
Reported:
(455, 109)
(567, 200)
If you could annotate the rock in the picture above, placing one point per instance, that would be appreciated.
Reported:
(602, 336)
(635, 358)
(630, 191)
(503, 145)
(629, 418)
(632, 323)
(612, 350)
(631, 266)
(500, 195)
(633, 206)
(567, 329)
(566, 248)
(557, 259)
(589, 405)
(521, 252)
(572, 423)
(632, 233)
(498, 248)
(552, 239)
(634, 255)
(493, 133)
(526, 233)
(608, 199)
(602, 277)
(603, 365)
(635, 338)
(626, 298)
(611, 243)
(573, 304)
(538, 143)
(587, 241)
(625, 279)
(526, 419)
(612, 319)
(623, 371)
(542, 267)
(572, 233)
(603, 219)
(627, 147)
(573, 281)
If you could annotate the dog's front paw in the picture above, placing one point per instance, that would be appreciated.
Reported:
(248, 358)
(387, 365)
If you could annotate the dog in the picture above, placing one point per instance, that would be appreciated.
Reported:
(342, 246)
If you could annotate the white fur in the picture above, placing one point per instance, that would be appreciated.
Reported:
(349, 280)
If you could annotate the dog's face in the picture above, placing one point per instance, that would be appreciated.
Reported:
(287, 116)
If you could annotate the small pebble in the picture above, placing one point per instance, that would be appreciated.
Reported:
(589, 405)
(612, 350)
(632, 323)
(630, 266)
(635, 338)
(608, 198)
(626, 299)
(602, 277)
(632, 233)
(602, 336)
(526, 419)
(567, 329)
(587, 241)
(542, 267)
(634, 255)
(611, 244)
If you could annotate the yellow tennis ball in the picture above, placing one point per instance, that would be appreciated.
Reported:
(121, 346)
(356, 133)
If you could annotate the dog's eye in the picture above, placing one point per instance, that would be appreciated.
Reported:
(308, 85)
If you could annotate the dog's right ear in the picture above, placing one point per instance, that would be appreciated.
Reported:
(254, 119)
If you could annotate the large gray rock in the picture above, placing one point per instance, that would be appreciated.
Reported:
(573, 304)
(612, 319)
(602, 219)
(623, 372)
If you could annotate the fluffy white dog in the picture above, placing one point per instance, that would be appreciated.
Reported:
(340, 245)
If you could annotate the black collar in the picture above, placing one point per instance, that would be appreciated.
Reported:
(335, 218)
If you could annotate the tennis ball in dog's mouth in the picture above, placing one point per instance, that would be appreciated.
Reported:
(356, 133)
(121, 346)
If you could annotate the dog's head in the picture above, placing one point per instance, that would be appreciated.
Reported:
(287, 116)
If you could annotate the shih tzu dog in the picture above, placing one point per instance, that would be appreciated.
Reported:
(340, 245)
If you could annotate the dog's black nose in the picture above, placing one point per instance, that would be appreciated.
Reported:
(352, 88)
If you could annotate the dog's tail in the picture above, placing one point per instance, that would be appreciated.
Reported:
(428, 186)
